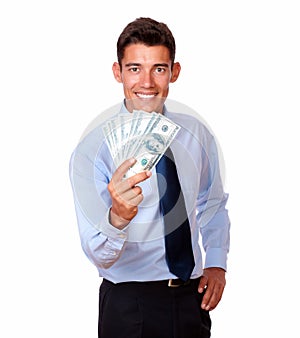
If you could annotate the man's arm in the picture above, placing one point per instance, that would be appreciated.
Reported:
(103, 207)
(215, 226)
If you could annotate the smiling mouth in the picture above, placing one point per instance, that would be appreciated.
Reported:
(145, 96)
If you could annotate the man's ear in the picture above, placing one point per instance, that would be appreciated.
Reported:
(175, 72)
(117, 72)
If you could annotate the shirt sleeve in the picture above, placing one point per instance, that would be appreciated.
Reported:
(212, 215)
(101, 242)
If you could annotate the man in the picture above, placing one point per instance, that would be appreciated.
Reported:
(122, 220)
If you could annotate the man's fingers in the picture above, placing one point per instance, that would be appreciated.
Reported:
(212, 296)
(131, 194)
(127, 188)
(118, 186)
(136, 200)
(123, 168)
(126, 195)
(213, 280)
(133, 180)
(138, 178)
(202, 284)
(207, 297)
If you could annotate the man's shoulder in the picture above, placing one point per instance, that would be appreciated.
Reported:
(191, 122)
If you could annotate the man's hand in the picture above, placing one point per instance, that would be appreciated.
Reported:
(213, 280)
(125, 194)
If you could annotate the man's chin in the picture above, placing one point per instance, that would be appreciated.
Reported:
(149, 105)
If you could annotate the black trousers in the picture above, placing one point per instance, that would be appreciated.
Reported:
(151, 310)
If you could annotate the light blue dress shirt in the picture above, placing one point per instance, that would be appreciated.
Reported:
(137, 252)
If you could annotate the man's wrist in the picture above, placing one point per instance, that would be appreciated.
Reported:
(117, 221)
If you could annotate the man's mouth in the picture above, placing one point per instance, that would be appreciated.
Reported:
(145, 96)
(148, 102)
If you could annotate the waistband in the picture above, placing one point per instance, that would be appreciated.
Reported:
(170, 283)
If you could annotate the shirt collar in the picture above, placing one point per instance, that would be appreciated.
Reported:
(124, 110)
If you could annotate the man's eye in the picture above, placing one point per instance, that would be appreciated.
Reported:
(134, 69)
(160, 70)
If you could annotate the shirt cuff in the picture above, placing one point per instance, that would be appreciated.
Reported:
(110, 231)
(216, 257)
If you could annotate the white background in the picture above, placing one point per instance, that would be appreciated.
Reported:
(240, 71)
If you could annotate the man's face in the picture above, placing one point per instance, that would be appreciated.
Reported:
(146, 74)
(155, 146)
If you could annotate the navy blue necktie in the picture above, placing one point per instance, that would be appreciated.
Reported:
(178, 244)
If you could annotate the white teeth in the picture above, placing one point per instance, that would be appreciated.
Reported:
(145, 96)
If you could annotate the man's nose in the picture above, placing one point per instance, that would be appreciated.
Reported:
(147, 79)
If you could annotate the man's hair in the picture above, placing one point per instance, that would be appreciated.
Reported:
(148, 32)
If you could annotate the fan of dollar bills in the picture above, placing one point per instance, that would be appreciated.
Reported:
(142, 135)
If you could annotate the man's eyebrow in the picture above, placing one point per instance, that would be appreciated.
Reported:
(161, 65)
(133, 64)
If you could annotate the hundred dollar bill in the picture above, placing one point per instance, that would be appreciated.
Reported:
(106, 132)
(143, 123)
(116, 134)
(112, 139)
(122, 133)
(115, 130)
(142, 135)
(133, 121)
(124, 126)
(153, 145)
